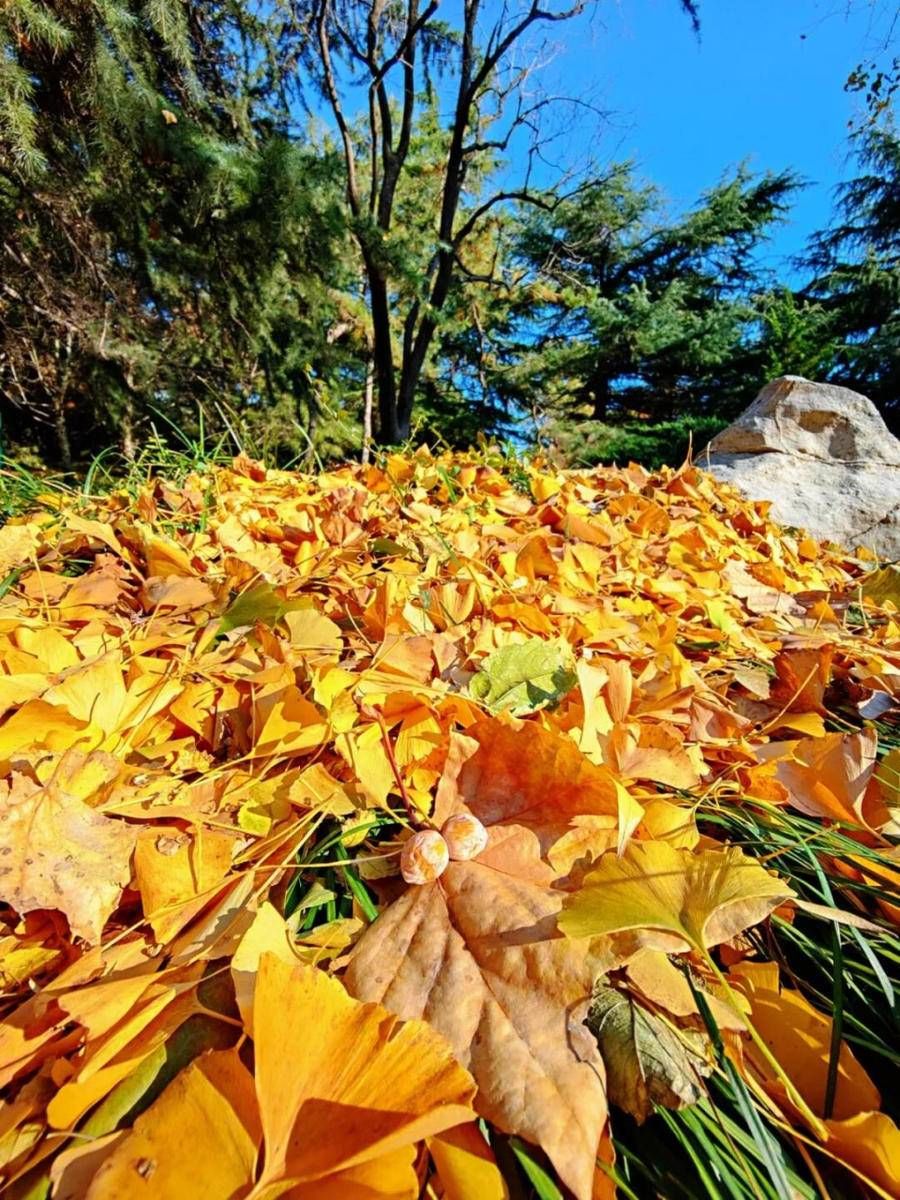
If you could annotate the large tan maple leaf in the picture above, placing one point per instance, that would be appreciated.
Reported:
(477, 955)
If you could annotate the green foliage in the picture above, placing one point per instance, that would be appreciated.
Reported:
(857, 273)
(643, 315)
(524, 678)
(652, 444)
(166, 246)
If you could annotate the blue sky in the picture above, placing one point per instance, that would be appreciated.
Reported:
(764, 83)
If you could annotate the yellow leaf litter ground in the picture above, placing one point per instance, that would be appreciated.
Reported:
(225, 705)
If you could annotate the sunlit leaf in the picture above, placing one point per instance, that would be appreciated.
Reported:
(524, 678)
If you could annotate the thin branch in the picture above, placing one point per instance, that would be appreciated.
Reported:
(335, 102)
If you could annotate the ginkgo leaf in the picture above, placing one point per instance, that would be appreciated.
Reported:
(466, 1166)
(199, 1138)
(39, 724)
(869, 1143)
(172, 867)
(523, 678)
(672, 899)
(361, 1088)
(830, 776)
(310, 630)
(476, 955)
(18, 543)
(511, 771)
(58, 853)
(647, 1060)
(260, 603)
(883, 586)
(655, 752)
(93, 692)
(800, 1038)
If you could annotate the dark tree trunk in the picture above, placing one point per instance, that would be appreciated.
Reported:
(599, 392)
(390, 430)
(63, 444)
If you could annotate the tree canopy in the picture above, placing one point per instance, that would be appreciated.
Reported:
(311, 225)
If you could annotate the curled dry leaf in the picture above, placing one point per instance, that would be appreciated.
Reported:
(648, 1061)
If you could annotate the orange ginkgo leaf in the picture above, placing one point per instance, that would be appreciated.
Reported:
(654, 752)
(360, 1089)
(799, 1037)
(504, 770)
(804, 670)
(59, 853)
(199, 1138)
(173, 867)
(476, 955)
(868, 1143)
(832, 777)
(466, 1166)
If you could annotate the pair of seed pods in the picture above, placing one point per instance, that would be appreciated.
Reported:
(428, 853)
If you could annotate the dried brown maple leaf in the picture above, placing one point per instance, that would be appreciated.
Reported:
(477, 955)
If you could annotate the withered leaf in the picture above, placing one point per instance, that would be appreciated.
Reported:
(477, 956)
(56, 852)
(647, 1060)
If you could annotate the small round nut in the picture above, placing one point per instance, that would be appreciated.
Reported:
(465, 836)
(424, 857)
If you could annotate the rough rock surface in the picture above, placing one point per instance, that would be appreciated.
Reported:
(823, 456)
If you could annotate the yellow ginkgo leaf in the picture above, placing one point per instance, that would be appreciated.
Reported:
(363, 1087)
(94, 692)
(466, 1166)
(199, 1138)
(671, 898)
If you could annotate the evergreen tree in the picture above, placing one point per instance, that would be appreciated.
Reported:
(643, 315)
(857, 273)
(165, 245)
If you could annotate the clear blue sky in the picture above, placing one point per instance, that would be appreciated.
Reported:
(764, 82)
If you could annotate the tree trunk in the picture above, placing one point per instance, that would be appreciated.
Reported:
(599, 391)
(63, 444)
(389, 429)
(59, 403)
(128, 445)
(367, 410)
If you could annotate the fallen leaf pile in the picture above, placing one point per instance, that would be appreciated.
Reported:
(225, 706)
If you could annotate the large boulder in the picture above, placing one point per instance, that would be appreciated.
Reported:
(823, 456)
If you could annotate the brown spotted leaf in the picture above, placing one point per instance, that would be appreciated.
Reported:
(58, 853)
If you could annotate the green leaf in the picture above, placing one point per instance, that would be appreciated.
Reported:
(386, 546)
(524, 678)
(258, 604)
(538, 1176)
(647, 1061)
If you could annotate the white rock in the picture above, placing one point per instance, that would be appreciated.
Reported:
(823, 456)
